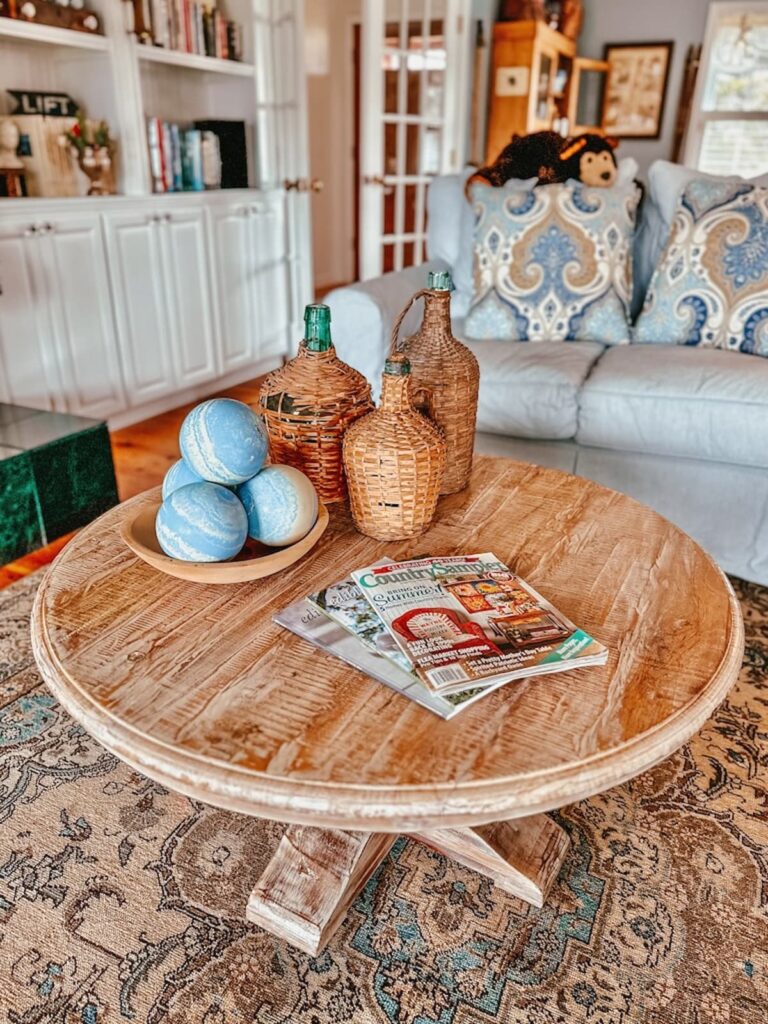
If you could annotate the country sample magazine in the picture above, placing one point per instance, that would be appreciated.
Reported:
(442, 631)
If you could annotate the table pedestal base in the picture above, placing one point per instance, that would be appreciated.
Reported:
(315, 873)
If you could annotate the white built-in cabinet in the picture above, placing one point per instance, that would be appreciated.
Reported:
(161, 284)
(120, 306)
(57, 335)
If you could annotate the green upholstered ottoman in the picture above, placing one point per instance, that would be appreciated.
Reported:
(56, 474)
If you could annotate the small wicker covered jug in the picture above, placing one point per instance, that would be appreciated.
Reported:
(447, 373)
(395, 459)
(309, 403)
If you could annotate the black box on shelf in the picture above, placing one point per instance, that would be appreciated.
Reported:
(234, 159)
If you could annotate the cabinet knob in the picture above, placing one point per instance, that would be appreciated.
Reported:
(31, 230)
(47, 229)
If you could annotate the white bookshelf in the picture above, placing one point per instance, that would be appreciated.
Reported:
(123, 306)
(116, 78)
(11, 28)
(194, 62)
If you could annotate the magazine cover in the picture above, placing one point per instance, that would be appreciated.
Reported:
(305, 620)
(469, 620)
(344, 602)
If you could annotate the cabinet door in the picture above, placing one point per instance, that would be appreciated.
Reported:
(28, 369)
(185, 256)
(235, 282)
(141, 304)
(81, 310)
(272, 294)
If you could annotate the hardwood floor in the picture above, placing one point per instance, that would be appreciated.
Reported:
(142, 453)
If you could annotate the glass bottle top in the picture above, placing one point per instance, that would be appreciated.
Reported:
(317, 327)
(397, 366)
(440, 281)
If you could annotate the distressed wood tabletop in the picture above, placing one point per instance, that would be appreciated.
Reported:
(199, 689)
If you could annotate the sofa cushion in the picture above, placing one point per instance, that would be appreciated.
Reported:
(530, 390)
(553, 263)
(711, 286)
(666, 183)
(668, 400)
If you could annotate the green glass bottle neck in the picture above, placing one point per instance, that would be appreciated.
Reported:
(317, 328)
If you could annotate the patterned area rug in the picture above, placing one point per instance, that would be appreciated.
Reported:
(120, 901)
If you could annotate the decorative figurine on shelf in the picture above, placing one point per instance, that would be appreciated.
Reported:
(44, 12)
(571, 18)
(13, 182)
(91, 144)
(395, 460)
(449, 375)
(309, 403)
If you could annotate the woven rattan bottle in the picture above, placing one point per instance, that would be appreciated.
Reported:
(447, 373)
(310, 402)
(394, 459)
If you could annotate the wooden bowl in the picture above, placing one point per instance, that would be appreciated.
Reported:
(254, 562)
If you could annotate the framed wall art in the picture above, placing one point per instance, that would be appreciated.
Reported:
(633, 104)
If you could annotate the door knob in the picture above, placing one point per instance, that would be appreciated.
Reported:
(317, 184)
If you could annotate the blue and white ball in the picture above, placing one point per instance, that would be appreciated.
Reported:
(223, 441)
(202, 522)
(179, 475)
(281, 504)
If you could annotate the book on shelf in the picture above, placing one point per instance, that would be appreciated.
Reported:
(188, 26)
(182, 159)
(484, 628)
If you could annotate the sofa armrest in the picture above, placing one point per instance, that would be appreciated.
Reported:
(362, 316)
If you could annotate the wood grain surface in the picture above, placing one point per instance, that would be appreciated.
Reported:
(523, 856)
(310, 882)
(199, 689)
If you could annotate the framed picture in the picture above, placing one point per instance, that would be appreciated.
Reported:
(633, 104)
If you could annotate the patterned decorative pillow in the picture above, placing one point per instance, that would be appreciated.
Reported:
(711, 286)
(553, 263)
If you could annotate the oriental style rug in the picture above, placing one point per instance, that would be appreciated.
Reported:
(120, 901)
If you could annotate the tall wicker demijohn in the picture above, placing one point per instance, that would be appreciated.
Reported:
(309, 403)
(394, 459)
(448, 374)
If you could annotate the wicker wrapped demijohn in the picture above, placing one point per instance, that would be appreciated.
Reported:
(447, 374)
(310, 402)
(395, 459)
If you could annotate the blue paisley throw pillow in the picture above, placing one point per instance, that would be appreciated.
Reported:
(553, 263)
(711, 286)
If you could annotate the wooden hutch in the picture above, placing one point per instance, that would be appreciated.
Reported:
(538, 82)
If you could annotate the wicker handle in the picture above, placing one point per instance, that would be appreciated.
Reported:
(394, 343)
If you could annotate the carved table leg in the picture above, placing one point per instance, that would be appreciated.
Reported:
(523, 856)
(315, 873)
(310, 882)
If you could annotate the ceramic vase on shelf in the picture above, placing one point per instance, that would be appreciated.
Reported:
(447, 375)
(96, 164)
(310, 402)
(394, 460)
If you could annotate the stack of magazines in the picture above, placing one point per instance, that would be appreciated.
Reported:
(442, 631)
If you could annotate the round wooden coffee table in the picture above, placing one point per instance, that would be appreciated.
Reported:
(196, 687)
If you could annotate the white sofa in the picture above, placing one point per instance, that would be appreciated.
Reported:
(684, 430)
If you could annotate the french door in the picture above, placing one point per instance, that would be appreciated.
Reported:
(415, 59)
(282, 133)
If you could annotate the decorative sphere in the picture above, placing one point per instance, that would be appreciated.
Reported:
(202, 522)
(178, 476)
(223, 441)
(281, 504)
